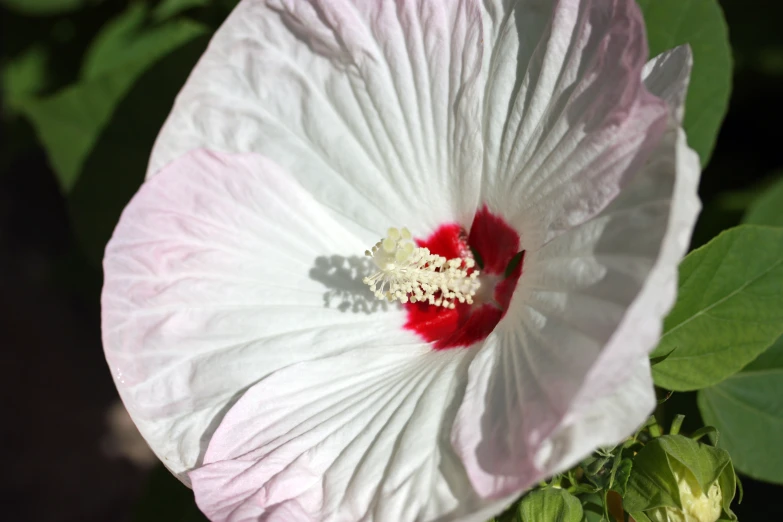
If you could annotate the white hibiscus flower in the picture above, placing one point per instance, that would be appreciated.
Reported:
(261, 369)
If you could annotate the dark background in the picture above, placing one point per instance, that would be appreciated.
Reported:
(59, 460)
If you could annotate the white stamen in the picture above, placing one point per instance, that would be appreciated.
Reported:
(409, 273)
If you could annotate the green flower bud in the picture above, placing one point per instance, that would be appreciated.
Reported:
(677, 479)
(697, 506)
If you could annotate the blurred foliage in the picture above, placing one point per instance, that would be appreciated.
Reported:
(92, 82)
(24, 76)
(70, 122)
(45, 7)
(767, 207)
(49, 45)
(170, 8)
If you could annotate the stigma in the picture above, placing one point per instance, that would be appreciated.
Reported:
(410, 273)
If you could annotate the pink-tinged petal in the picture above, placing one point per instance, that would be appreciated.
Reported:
(576, 123)
(220, 272)
(588, 308)
(357, 436)
(676, 165)
(606, 421)
(494, 470)
(667, 76)
(372, 106)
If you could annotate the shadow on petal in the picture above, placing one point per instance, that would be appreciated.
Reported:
(342, 277)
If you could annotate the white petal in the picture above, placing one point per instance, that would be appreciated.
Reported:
(500, 460)
(588, 307)
(628, 407)
(218, 274)
(667, 76)
(567, 120)
(372, 106)
(357, 436)
(676, 165)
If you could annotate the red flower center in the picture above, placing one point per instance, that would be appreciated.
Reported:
(495, 244)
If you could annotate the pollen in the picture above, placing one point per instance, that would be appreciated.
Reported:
(409, 273)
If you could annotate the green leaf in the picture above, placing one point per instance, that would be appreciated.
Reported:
(747, 409)
(659, 359)
(729, 308)
(70, 122)
(700, 24)
(129, 39)
(651, 483)
(592, 508)
(45, 7)
(550, 505)
(621, 476)
(598, 470)
(768, 208)
(170, 8)
(24, 76)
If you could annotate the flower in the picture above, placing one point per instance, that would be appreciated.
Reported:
(306, 131)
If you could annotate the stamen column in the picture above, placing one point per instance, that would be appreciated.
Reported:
(409, 273)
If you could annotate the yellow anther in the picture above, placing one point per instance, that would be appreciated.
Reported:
(389, 245)
(408, 273)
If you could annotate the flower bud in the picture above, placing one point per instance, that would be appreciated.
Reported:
(678, 479)
(697, 506)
